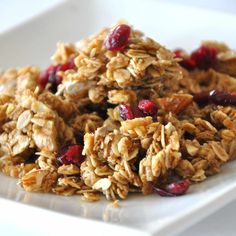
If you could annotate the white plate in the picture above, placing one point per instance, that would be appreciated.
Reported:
(172, 25)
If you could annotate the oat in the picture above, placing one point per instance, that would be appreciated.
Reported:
(64, 108)
(102, 184)
(97, 94)
(226, 62)
(24, 119)
(87, 123)
(38, 180)
(121, 96)
(64, 52)
(68, 170)
(192, 147)
(114, 204)
(136, 127)
(219, 151)
(90, 197)
(183, 139)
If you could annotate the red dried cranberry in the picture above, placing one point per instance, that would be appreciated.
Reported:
(118, 38)
(187, 62)
(204, 57)
(173, 189)
(148, 107)
(50, 75)
(126, 112)
(217, 97)
(70, 154)
(201, 98)
(69, 65)
(162, 192)
(43, 79)
(222, 97)
(137, 112)
(54, 79)
(179, 52)
(44, 75)
(178, 188)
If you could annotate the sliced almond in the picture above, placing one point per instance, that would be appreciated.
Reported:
(175, 103)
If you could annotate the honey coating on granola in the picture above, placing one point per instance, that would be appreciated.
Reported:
(42, 129)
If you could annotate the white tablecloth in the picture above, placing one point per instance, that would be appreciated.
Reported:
(13, 12)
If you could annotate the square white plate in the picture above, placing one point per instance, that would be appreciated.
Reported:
(172, 25)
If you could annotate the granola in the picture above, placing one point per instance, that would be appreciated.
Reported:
(119, 113)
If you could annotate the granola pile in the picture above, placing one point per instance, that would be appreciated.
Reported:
(119, 113)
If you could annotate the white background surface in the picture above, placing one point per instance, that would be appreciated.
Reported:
(13, 12)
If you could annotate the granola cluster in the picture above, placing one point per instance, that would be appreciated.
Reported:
(79, 127)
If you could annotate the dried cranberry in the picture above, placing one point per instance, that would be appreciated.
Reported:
(204, 57)
(148, 107)
(50, 75)
(217, 97)
(222, 97)
(187, 62)
(44, 75)
(173, 189)
(201, 98)
(43, 79)
(69, 65)
(179, 53)
(50, 69)
(118, 38)
(54, 79)
(178, 188)
(137, 112)
(144, 108)
(70, 154)
(162, 192)
(126, 112)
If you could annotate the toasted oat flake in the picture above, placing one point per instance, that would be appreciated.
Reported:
(102, 184)
(38, 180)
(24, 119)
(68, 170)
(114, 204)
